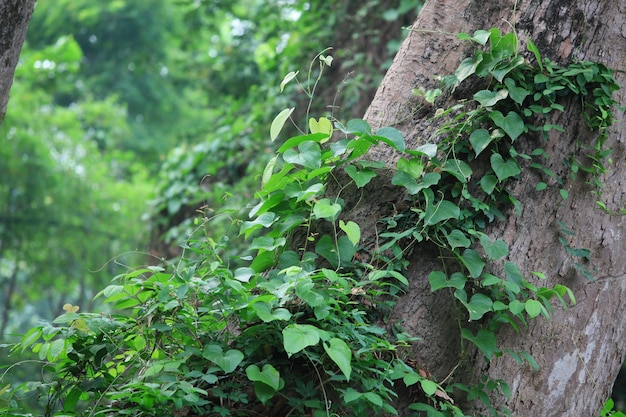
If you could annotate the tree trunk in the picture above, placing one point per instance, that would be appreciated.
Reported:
(14, 18)
(580, 349)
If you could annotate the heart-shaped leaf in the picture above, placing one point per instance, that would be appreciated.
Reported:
(473, 262)
(269, 375)
(488, 98)
(518, 94)
(297, 337)
(361, 177)
(438, 280)
(479, 305)
(458, 239)
(441, 211)
(512, 123)
(352, 230)
(227, 362)
(495, 250)
(480, 139)
(485, 340)
(504, 169)
(325, 209)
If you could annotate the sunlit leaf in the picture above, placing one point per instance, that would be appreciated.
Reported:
(352, 230)
(288, 78)
(297, 337)
(279, 122)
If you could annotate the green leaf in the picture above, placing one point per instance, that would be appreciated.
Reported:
(457, 239)
(337, 254)
(480, 36)
(494, 250)
(428, 149)
(516, 307)
(297, 140)
(480, 139)
(485, 340)
(266, 382)
(467, 67)
(358, 126)
(378, 274)
(440, 212)
(341, 354)
(352, 230)
(262, 261)
(308, 155)
(227, 362)
(265, 313)
(264, 220)
(392, 137)
(407, 181)
(267, 243)
(513, 273)
(518, 94)
(428, 386)
(478, 305)
(56, 348)
(531, 361)
(488, 183)
(503, 46)
(279, 122)
(459, 169)
(374, 398)
(512, 123)
(504, 169)
(305, 289)
(533, 308)
(473, 262)
(414, 166)
(70, 400)
(488, 98)
(533, 48)
(361, 177)
(325, 209)
(541, 186)
(501, 69)
(296, 337)
(489, 279)
(438, 280)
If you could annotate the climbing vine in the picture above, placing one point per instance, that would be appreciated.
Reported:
(299, 329)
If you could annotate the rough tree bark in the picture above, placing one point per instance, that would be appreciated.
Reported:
(579, 350)
(14, 18)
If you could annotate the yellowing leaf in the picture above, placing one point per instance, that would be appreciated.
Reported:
(70, 308)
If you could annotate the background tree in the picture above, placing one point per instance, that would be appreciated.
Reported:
(579, 351)
(16, 16)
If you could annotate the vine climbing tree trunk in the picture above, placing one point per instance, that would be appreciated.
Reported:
(580, 349)
(14, 18)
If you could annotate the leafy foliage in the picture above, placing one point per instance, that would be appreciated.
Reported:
(301, 328)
